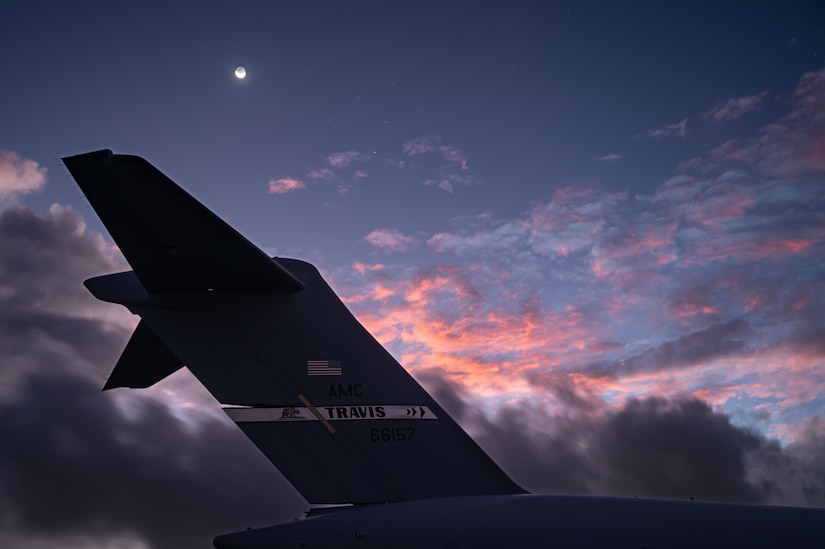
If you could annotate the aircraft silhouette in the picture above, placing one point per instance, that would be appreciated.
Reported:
(334, 411)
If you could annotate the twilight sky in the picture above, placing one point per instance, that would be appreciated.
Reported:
(595, 232)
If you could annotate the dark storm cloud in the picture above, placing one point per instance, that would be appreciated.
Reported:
(795, 474)
(40, 251)
(674, 448)
(678, 448)
(46, 315)
(447, 394)
(77, 463)
(73, 463)
(574, 399)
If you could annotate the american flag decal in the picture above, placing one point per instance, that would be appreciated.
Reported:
(323, 367)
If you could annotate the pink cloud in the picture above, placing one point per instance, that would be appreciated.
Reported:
(709, 286)
(444, 320)
(396, 163)
(736, 107)
(677, 129)
(285, 185)
(363, 268)
(717, 395)
(693, 301)
(375, 293)
(495, 337)
(324, 174)
(453, 155)
(567, 223)
(493, 240)
(732, 151)
(707, 201)
(572, 220)
(432, 144)
(390, 240)
(337, 162)
(443, 183)
(341, 160)
(454, 171)
(793, 145)
(420, 145)
(19, 175)
(775, 248)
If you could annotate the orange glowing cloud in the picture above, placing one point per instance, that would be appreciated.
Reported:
(444, 322)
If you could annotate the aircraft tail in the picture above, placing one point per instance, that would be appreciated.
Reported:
(321, 398)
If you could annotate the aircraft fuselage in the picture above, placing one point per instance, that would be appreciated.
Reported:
(495, 522)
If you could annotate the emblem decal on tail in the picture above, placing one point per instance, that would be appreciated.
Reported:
(324, 368)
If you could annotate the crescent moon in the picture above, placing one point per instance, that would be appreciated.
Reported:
(240, 73)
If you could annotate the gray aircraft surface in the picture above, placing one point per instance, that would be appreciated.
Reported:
(334, 411)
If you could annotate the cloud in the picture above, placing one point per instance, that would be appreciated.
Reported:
(324, 174)
(433, 144)
(708, 286)
(700, 347)
(629, 345)
(285, 185)
(362, 268)
(74, 464)
(337, 162)
(653, 447)
(608, 158)
(421, 145)
(454, 168)
(500, 237)
(390, 240)
(677, 129)
(790, 147)
(89, 464)
(572, 219)
(38, 251)
(736, 107)
(79, 466)
(454, 156)
(396, 163)
(795, 145)
(669, 293)
(341, 160)
(567, 223)
(19, 175)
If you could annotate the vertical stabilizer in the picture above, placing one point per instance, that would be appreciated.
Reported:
(321, 398)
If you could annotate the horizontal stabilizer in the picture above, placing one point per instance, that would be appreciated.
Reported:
(171, 240)
(145, 361)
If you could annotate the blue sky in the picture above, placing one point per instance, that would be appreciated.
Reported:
(575, 212)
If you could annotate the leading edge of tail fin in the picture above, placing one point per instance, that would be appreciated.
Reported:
(171, 240)
(321, 398)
